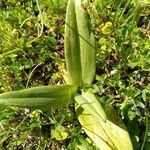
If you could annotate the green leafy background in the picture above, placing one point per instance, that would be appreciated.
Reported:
(32, 54)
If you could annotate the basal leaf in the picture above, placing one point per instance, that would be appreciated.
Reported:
(39, 97)
(79, 45)
(89, 102)
(87, 44)
(72, 45)
(110, 134)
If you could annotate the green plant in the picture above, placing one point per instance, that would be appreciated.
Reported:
(99, 121)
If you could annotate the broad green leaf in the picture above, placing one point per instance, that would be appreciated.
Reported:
(39, 97)
(79, 45)
(87, 44)
(89, 102)
(72, 45)
(110, 134)
(93, 129)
